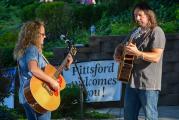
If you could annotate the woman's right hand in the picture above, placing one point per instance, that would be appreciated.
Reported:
(55, 85)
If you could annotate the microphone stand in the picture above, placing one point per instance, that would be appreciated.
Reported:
(81, 85)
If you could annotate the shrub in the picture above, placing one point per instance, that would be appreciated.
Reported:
(18, 2)
(103, 26)
(115, 7)
(97, 115)
(70, 103)
(5, 84)
(177, 17)
(9, 114)
(169, 27)
(164, 9)
(6, 55)
(68, 1)
(86, 15)
(81, 36)
(28, 12)
(7, 40)
(120, 28)
(56, 16)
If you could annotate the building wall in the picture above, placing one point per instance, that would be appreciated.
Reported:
(102, 48)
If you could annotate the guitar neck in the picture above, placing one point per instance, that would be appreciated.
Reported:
(60, 68)
(72, 52)
(130, 41)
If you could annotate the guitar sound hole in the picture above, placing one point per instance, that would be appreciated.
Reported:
(129, 56)
(127, 67)
(44, 85)
(128, 62)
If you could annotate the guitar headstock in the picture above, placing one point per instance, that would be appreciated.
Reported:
(73, 50)
(137, 33)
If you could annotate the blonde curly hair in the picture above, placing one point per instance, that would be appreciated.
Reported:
(29, 34)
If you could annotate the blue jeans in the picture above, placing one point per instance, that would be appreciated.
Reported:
(32, 115)
(135, 99)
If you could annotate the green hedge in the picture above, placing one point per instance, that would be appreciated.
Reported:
(74, 21)
(69, 103)
(9, 114)
(5, 85)
(7, 43)
(18, 2)
(63, 18)
(28, 12)
(177, 17)
(70, 106)
(57, 17)
(86, 15)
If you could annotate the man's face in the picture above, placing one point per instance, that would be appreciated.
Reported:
(141, 18)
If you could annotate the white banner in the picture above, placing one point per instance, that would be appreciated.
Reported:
(100, 80)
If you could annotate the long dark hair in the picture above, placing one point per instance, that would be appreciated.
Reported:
(148, 11)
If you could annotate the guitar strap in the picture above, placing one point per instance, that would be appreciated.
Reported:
(129, 37)
(18, 68)
(144, 37)
(19, 73)
(45, 59)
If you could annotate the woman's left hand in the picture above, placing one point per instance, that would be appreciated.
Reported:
(69, 61)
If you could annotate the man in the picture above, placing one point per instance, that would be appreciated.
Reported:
(145, 80)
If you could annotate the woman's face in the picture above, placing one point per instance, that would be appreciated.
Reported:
(42, 34)
(141, 18)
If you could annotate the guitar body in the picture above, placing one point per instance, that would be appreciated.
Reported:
(126, 61)
(125, 68)
(40, 96)
(125, 64)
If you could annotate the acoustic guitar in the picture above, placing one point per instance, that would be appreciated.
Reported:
(40, 96)
(126, 61)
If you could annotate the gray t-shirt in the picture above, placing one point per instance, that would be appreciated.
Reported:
(147, 75)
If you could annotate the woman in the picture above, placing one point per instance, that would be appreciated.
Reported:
(28, 53)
